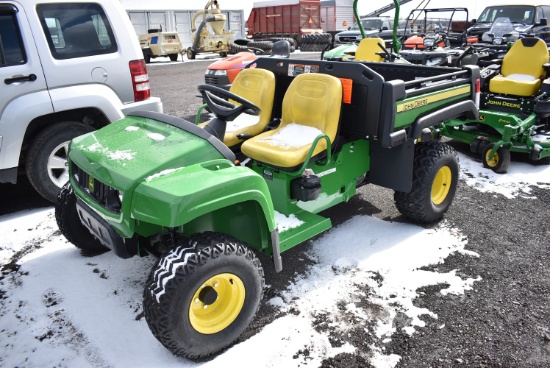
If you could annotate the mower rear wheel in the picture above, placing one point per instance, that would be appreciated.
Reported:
(435, 178)
(499, 162)
(70, 226)
(202, 294)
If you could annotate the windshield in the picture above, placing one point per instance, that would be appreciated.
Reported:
(517, 13)
(369, 24)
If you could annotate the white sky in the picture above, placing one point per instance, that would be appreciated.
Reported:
(65, 310)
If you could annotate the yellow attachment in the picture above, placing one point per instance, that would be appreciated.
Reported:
(258, 87)
(312, 102)
(521, 63)
(217, 303)
(441, 185)
(367, 49)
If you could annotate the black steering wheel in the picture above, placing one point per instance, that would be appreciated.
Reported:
(216, 99)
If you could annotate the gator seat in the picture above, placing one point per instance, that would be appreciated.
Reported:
(311, 107)
(258, 87)
(367, 49)
(522, 68)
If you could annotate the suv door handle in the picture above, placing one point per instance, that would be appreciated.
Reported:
(23, 78)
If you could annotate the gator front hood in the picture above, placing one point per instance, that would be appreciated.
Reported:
(128, 151)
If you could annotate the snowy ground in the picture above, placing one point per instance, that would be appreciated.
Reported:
(59, 309)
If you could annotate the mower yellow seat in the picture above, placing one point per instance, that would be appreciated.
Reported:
(311, 107)
(522, 68)
(258, 87)
(367, 49)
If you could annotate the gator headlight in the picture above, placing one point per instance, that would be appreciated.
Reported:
(215, 72)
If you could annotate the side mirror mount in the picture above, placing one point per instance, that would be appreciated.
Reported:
(543, 22)
(474, 20)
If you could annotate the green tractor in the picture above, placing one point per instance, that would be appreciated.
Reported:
(514, 111)
(159, 185)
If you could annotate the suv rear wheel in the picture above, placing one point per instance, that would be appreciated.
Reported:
(46, 162)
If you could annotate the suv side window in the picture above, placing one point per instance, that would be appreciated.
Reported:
(12, 51)
(76, 30)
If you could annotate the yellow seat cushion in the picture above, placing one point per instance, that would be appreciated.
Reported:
(505, 85)
(311, 107)
(367, 49)
(258, 87)
(522, 68)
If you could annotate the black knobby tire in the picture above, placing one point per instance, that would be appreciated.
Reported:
(70, 226)
(435, 179)
(147, 58)
(500, 161)
(266, 46)
(49, 150)
(173, 57)
(177, 281)
(235, 48)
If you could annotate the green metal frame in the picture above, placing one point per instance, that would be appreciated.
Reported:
(506, 130)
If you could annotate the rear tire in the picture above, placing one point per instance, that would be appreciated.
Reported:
(191, 54)
(500, 161)
(435, 178)
(202, 294)
(46, 162)
(70, 226)
(173, 57)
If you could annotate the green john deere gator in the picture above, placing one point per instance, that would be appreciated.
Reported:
(159, 185)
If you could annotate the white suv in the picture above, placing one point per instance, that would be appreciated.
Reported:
(66, 67)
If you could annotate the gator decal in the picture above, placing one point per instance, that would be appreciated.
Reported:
(426, 100)
(502, 103)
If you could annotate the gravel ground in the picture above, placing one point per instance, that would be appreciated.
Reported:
(503, 322)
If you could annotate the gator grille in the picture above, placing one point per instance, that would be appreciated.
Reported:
(216, 80)
(101, 193)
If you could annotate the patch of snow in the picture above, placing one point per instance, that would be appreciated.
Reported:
(242, 121)
(156, 136)
(516, 182)
(95, 147)
(286, 222)
(124, 155)
(292, 136)
(162, 173)
(131, 128)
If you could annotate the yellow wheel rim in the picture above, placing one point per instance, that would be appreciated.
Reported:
(441, 185)
(491, 162)
(217, 303)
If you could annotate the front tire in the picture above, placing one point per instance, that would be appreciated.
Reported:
(70, 226)
(435, 178)
(499, 162)
(202, 294)
(191, 54)
(46, 162)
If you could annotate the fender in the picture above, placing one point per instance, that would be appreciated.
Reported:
(167, 202)
(84, 95)
(14, 122)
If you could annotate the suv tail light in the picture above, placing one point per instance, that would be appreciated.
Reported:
(140, 80)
